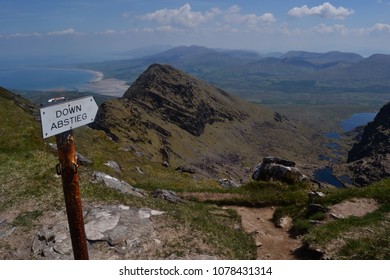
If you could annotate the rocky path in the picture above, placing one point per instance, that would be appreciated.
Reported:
(273, 243)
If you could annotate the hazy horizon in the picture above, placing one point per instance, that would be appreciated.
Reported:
(83, 29)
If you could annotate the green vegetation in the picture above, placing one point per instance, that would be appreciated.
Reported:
(375, 247)
(216, 227)
(364, 237)
(29, 189)
(26, 219)
(360, 237)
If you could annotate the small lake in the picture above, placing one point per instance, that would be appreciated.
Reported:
(333, 135)
(325, 174)
(356, 120)
(347, 125)
(41, 78)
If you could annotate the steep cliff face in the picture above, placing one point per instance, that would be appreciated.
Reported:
(370, 158)
(172, 117)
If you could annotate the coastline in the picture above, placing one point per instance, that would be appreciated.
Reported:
(98, 75)
(110, 87)
(52, 79)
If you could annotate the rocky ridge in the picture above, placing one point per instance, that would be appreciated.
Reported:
(171, 117)
(369, 159)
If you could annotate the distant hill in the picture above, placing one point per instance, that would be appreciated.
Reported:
(247, 73)
(324, 58)
(197, 60)
(172, 117)
(375, 68)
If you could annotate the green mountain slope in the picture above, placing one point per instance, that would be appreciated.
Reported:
(31, 193)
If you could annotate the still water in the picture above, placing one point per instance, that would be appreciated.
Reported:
(325, 174)
(356, 120)
(38, 78)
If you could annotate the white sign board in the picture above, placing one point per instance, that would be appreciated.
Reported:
(65, 116)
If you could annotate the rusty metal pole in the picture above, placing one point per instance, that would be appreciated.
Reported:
(70, 184)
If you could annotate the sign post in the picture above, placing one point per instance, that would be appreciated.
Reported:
(60, 119)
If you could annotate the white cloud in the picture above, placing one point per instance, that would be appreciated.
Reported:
(173, 19)
(111, 32)
(23, 35)
(183, 16)
(337, 28)
(380, 27)
(325, 10)
(166, 28)
(68, 31)
(252, 22)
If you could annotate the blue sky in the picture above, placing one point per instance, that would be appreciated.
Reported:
(92, 27)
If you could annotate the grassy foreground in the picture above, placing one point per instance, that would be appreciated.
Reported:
(29, 189)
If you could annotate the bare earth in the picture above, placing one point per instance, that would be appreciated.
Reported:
(272, 243)
(355, 207)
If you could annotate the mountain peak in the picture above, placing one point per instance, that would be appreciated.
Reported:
(174, 118)
(181, 99)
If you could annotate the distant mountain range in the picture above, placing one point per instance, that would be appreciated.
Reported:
(248, 73)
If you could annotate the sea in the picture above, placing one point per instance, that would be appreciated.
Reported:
(45, 78)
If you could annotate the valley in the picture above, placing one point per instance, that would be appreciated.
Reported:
(184, 141)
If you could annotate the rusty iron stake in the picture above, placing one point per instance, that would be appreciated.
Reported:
(70, 184)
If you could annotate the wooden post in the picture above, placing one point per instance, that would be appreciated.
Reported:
(70, 184)
(59, 119)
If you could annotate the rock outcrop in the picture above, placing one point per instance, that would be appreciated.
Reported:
(276, 169)
(369, 159)
(124, 230)
(228, 183)
(167, 195)
(114, 183)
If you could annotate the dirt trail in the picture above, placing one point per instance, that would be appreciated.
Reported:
(273, 243)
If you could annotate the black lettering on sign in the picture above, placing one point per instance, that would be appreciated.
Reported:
(68, 121)
(67, 111)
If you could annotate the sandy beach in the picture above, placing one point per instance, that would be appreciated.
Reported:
(110, 87)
